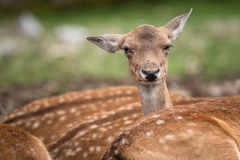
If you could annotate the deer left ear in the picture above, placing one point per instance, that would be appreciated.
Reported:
(109, 42)
(175, 26)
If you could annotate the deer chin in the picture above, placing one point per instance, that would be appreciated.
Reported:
(146, 82)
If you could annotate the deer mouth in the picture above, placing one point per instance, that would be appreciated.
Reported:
(147, 82)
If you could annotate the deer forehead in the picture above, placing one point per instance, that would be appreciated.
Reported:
(146, 37)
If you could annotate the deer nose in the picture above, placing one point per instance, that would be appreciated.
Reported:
(150, 72)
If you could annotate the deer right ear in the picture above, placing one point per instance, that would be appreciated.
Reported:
(176, 25)
(109, 42)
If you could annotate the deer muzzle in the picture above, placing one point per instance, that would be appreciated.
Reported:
(150, 72)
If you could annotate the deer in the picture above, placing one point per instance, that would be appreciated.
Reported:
(81, 124)
(78, 120)
(146, 48)
(204, 130)
(16, 143)
(54, 114)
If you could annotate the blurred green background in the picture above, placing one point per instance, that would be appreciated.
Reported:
(43, 50)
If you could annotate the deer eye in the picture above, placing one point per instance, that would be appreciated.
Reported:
(167, 48)
(127, 50)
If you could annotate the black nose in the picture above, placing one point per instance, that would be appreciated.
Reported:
(150, 75)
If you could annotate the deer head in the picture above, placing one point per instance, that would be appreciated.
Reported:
(146, 48)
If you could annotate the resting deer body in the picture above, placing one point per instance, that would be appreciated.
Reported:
(205, 130)
(16, 144)
(81, 125)
(54, 114)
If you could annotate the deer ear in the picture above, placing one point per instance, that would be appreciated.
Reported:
(175, 26)
(108, 42)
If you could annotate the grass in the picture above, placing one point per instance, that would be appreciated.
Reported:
(209, 46)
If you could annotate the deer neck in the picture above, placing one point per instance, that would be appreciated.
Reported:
(154, 97)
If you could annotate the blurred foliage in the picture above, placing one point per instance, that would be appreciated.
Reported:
(209, 46)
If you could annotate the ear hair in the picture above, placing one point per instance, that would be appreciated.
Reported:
(175, 26)
(109, 42)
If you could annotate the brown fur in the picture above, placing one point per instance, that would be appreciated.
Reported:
(54, 114)
(16, 144)
(205, 130)
(111, 109)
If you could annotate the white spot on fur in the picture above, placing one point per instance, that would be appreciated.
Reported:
(104, 116)
(85, 155)
(61, 100)
(112, 112)
(56, 150)
(82, 133)
(110, 139)
(110, 93)
(110, 101)
(94, 135)
(119, 92)
(129, 92)
(191, 124)
(35, 125)
(98, 148)
(160, 122)
(70, 153)
(161, 140)
(62, 118)
(91, 149)
(88, 97)
(149, 134)
(135, 115)
(76, 143)
(169, 137)
(116, 151)
(45, 103)
(72, 110)
(19, 113)
(103, 129)
(125, 118)
(12, 115)
(178, 118)
(78, 149)
(190, 132)
(63, 134)
(61, 112)
(128, 122)
(93, 126)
